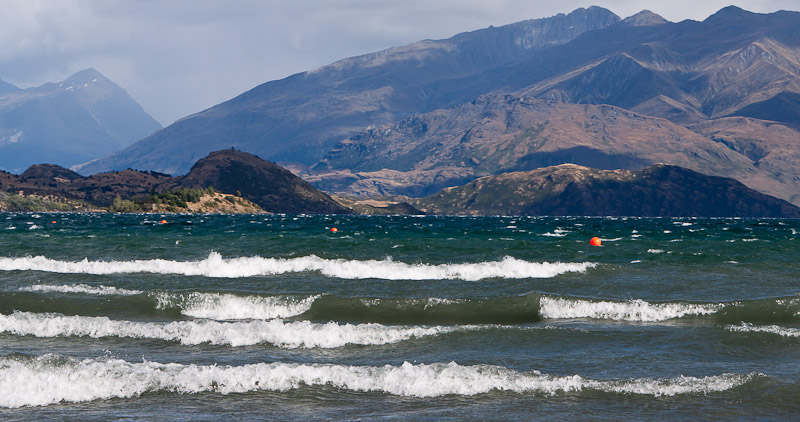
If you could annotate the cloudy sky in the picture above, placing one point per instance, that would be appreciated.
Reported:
(178, 57)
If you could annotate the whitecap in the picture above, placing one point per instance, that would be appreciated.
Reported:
(222, 306)
(51, 379)
(387, 269)
(636, 310)
(289, 335)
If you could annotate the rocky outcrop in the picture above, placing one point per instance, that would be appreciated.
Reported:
(271, 187)
(232, 173)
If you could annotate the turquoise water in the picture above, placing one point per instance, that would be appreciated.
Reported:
(503, 318)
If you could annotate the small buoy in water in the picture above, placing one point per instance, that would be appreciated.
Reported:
(595, 241)
(54, 222)
(163, 222)
(334, 230)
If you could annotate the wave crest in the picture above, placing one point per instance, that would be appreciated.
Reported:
(220, 306)
(216, 266)
(636, 310)
(289, 335)
(50, 379)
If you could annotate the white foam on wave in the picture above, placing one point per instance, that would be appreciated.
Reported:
(632, 310)
(289, 335)
(222, 306)
(218, 306)
(47, 380)
(771, 329)
(81, 288)
(216, 266)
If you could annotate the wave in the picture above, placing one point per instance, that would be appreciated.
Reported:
(216, 266)
(81, 288)
(217, 306)
(50, 379)
(771, 329)
(284, 334)
(220, 306)
(636, 310)
(504, 310)
(499, 310)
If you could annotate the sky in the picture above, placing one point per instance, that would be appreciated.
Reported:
(179, 57)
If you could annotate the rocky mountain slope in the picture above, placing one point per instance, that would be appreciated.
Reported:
(567, 189)
(735, 63)
(300, 117)
(230, 172)
(496, 134)
(82, 118)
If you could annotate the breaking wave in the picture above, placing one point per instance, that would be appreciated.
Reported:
(49, 379)
(216, 266)
(220, 306)
(503, 310)
(289, 335)
(633, 310)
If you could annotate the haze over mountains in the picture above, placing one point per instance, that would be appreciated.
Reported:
(82, 118)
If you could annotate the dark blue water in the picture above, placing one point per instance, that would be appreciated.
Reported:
(505, 318)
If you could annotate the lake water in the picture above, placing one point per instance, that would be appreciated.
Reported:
(253, 317)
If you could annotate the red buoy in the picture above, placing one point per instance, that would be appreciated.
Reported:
(595, 241)
(163, 222)
(334, 230)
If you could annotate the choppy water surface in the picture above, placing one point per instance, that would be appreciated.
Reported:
(252, 317)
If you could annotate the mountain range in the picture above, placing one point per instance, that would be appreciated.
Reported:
(82, 118)
(720, 97)
(297, 119)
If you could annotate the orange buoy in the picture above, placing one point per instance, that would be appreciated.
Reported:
(334, 230)
(595, 241)
(54, 222)
(163, 222)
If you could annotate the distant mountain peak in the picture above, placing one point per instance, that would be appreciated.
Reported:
(86, 76)
(6, 87)
(644, 18)
(729, 12)
(81, 118)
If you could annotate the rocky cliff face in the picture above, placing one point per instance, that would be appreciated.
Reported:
(82, 118)
(657, 191)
